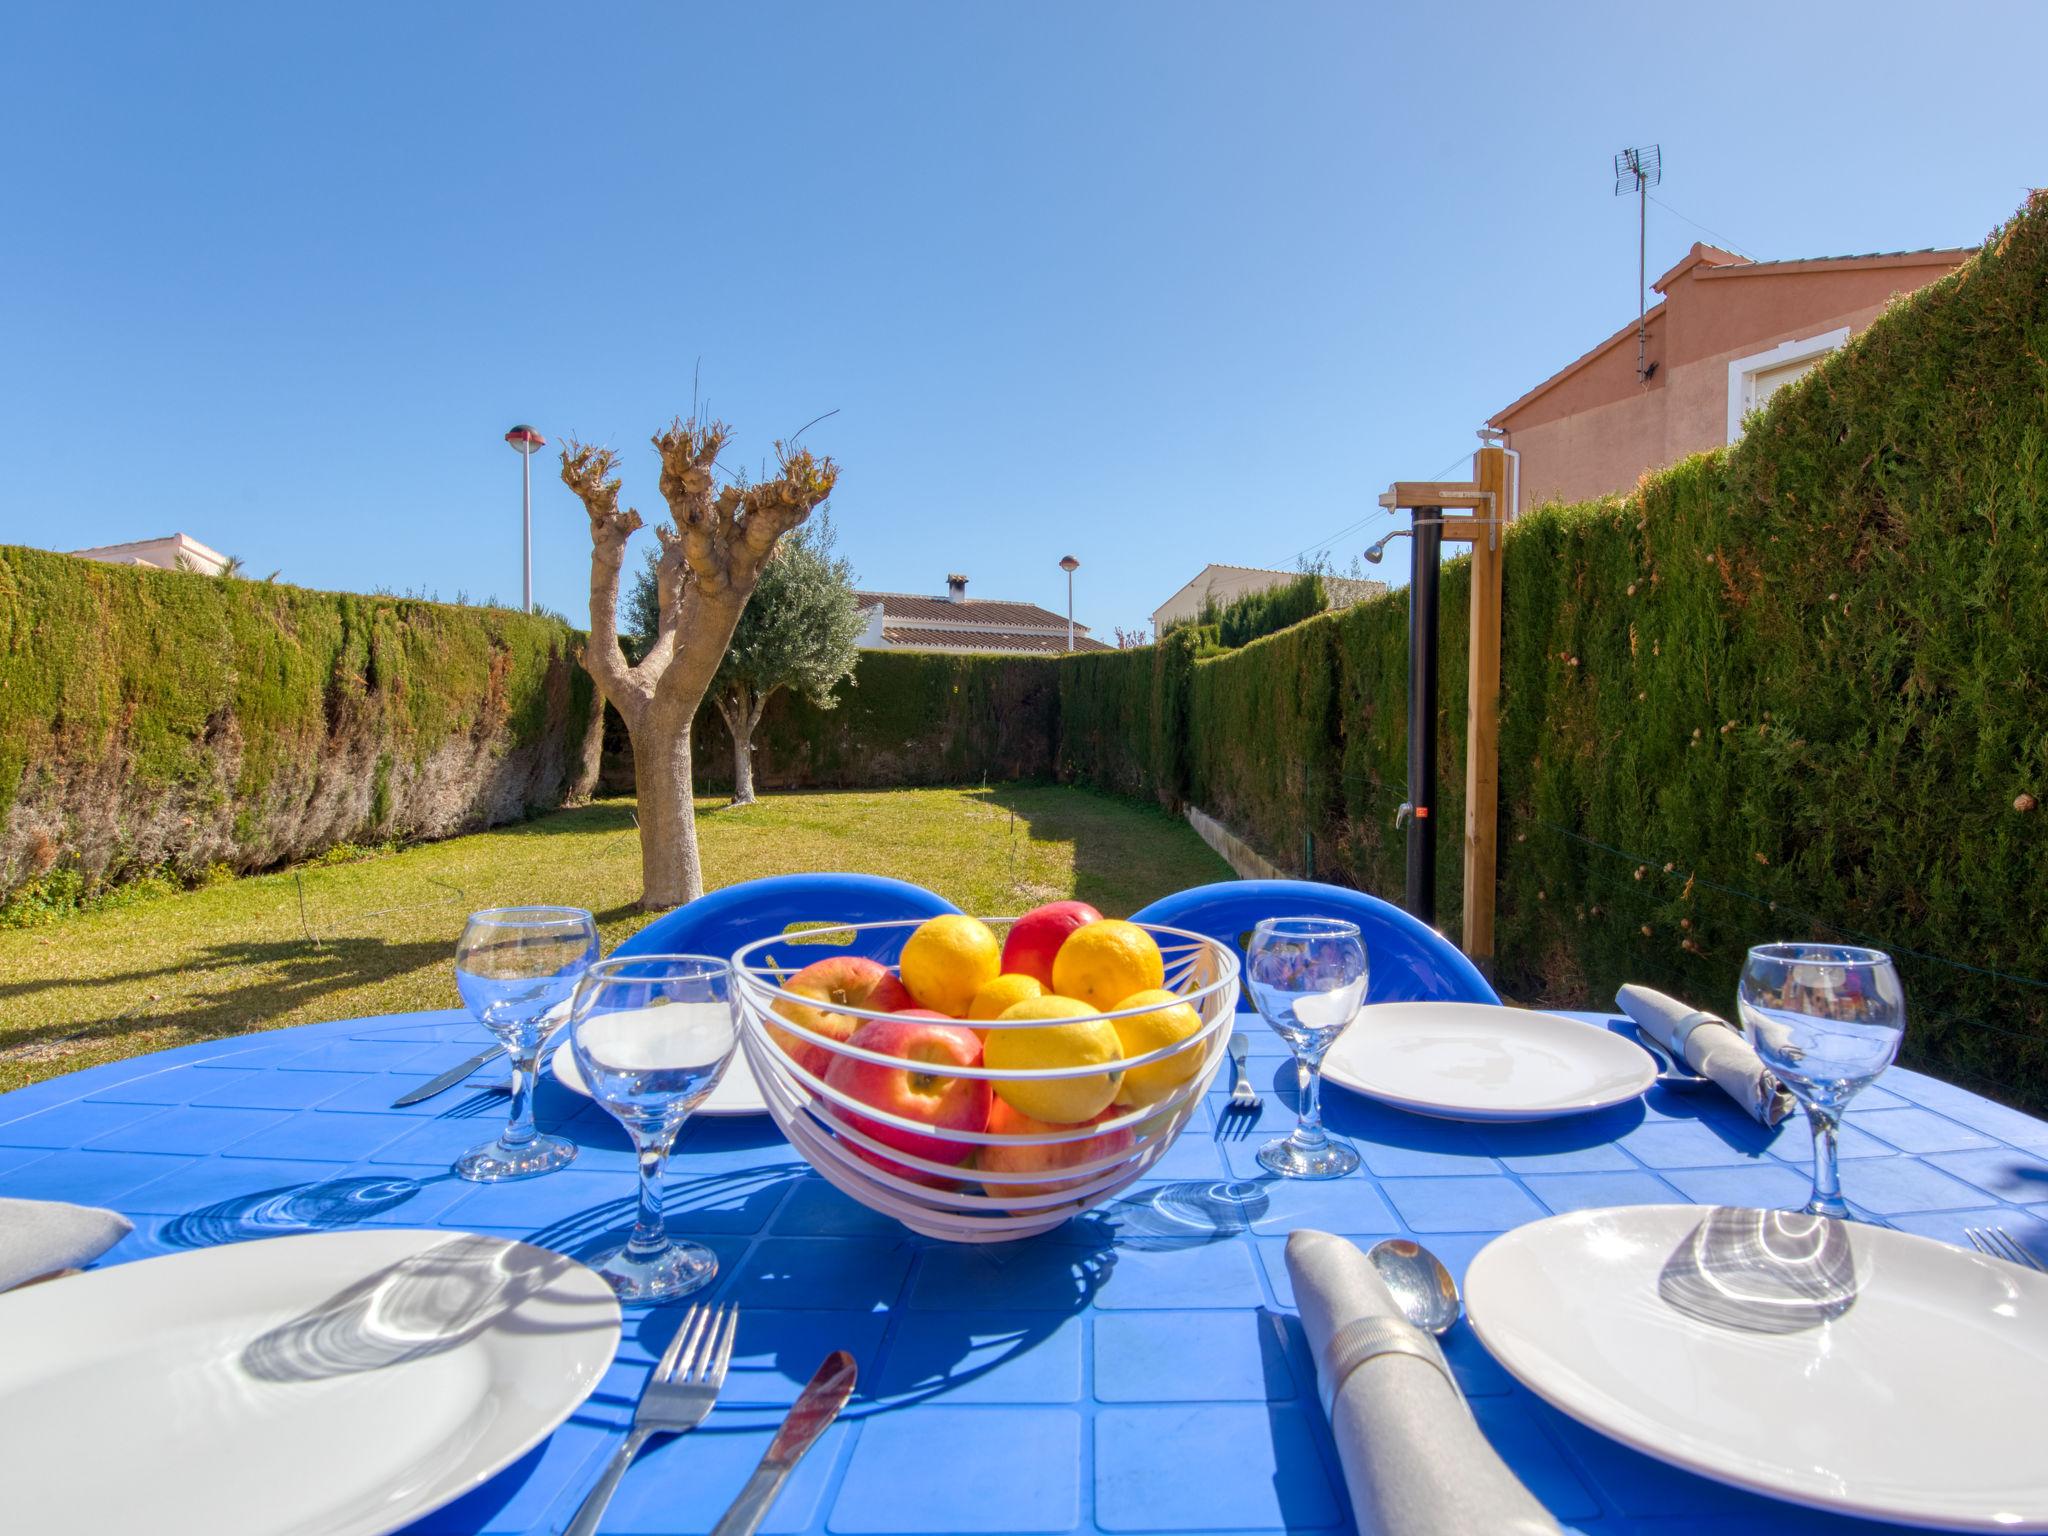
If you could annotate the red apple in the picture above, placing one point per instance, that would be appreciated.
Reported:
(838, 981)
(1037, 936)
(1024, 1157)
(919, 1037)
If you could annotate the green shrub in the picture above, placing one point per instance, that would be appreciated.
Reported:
(164, 720)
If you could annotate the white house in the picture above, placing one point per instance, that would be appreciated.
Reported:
(900, 621)
(1225, 582)
(174, 552)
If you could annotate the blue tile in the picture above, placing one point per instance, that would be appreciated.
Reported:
(2010, 1175)
(1890, 1185)
(1508, 1424)
(1035, 1275)
(1588, 1191)
(89, 1178)
(1767, 1185)
(321, 1137)
(682, 1487)
(1212, 1467)
(1602, 1157)
(1169, 1357)
(829, 1273)
(1004, 1469)
(445, 1137)
(71, 1125)
(191, 1131)
(215, 1181)
(1461, 1205)
(1794, 1143)
(815, 1208)
(1700, 1143)
(983, 1357)
(519, 1499)
(174, 1085)
(568, 1197)
(278, 1090)
(12, 1158)
(774, 1353)
(1973, 1110)
(1192, 1156)
(374, 1056)
(1919, 1131)
(1210, 1275)
(2029, 1231)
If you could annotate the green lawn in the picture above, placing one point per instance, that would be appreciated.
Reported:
(378, 935)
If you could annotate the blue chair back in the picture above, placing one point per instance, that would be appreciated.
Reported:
(721, 921)
(1408, 962)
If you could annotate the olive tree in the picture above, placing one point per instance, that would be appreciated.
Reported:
(710, 559)
(800, 631)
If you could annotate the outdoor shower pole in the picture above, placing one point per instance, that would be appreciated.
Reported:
(1425, 549)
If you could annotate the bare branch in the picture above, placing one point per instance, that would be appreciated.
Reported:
(588, 472)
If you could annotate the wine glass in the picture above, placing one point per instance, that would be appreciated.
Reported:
(1827, 1019)
(513, 967)
(1307, 976)
(652, 1035)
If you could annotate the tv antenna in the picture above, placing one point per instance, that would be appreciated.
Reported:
(1638, 170)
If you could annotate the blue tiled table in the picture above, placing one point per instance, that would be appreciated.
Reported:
(1138, 1370)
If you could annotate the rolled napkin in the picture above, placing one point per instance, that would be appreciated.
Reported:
(1413, 1456)
(1712, 1047)
(40, 1237)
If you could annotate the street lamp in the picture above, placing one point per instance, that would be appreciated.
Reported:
(1070, 565)
(526, 443)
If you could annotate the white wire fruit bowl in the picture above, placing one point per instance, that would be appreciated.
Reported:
(965, 1202)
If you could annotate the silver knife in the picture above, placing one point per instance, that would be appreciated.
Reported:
(448, 1079)
(816, 1407)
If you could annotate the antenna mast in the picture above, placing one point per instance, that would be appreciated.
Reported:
(1638, 170)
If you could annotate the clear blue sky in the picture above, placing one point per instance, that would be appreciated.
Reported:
(1152, 284)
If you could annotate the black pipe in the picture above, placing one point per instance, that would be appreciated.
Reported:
(1422, 667)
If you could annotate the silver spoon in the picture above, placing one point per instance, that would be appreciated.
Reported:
(1423, 1289)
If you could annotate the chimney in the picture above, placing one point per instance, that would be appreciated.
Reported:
(956, 588)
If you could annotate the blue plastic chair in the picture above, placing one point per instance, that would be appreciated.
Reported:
(1408, 962)
(721, 921)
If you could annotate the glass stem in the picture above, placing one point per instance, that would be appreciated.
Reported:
(1827, 1187)
(519, 1129)
(1308, 1129)
(650, 1232)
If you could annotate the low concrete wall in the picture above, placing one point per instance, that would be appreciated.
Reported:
(1236, 852)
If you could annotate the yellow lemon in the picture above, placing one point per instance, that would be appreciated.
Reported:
(1172, 1020)
(1106, 961)
(1003, 992)
(1069, 1036)
(947, 960)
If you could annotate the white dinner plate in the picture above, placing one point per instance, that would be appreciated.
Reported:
(736, 1094)
(1476, 1061)
(338, 1383)
(1834, 1364)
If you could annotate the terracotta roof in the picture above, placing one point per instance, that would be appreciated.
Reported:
(991, 640)
(975, 610)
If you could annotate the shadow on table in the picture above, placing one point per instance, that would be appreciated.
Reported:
(426, 1304)
(325, 1206)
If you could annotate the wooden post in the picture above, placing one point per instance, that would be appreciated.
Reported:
(1482, 715)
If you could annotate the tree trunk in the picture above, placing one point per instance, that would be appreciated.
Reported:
(736, 704)
(591, 761)
(669, 871)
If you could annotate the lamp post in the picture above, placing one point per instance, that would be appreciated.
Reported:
(1070, 565)
(526, 443)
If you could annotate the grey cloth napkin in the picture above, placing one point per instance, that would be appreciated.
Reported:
(1413, 1456)
(1712, 1047)
(40, 1237)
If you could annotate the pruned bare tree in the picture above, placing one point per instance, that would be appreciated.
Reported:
(710, 560)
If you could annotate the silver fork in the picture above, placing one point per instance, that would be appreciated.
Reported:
(678, 1395)
(1242, 1094)
(1998, 1243)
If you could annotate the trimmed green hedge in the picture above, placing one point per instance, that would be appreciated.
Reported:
(1789, 689)
(159, 720)
(903, 717)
